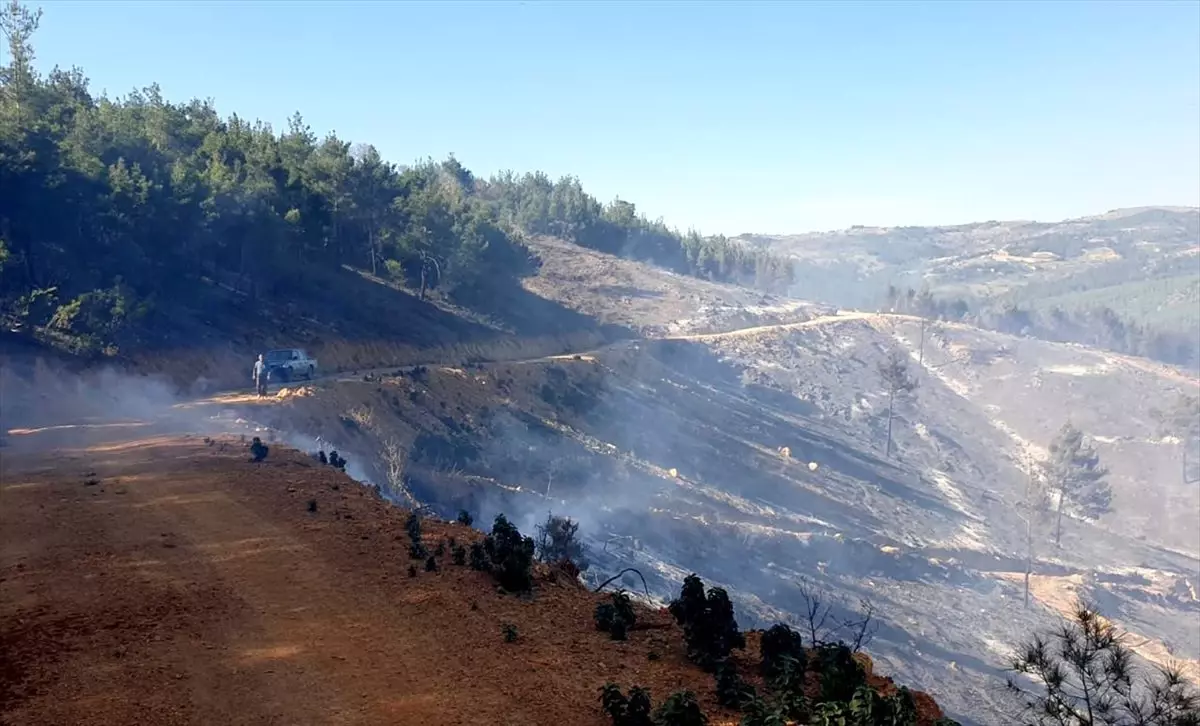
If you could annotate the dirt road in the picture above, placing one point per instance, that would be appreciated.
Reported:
(167, 581)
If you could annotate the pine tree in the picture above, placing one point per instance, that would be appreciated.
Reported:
(899, 382)
(1074, 473)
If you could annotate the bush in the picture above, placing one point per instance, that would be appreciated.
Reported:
(458, 555)
(680, 709)
(732, 689)
(258, 449)
(479, 558)
(780, 643)
(834, 713)
(708, 624)
(558, 541)
(510, 633)
(416, 549)
(337, 461)
(780, 711)
(616, 617)
(631, 711)
(312, 506)
(464, 517)
(510, 555)
(431, 564)
(840, 673)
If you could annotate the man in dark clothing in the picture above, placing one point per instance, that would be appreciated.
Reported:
(260, 376)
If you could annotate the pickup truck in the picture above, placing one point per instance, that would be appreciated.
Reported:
(288, 363)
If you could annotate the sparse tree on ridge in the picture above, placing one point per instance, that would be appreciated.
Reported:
(1074, 474)
(899, 382)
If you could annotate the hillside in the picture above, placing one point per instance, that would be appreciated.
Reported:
(1125, 280)
(182, 583)
(669, 452)
(512, 345)
(137, 228)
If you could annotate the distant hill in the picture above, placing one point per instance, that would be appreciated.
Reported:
(1127, 280)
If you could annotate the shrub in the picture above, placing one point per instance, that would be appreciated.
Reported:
(779, 643)
(778, 712)
(479, 559)
(510, 633)
(258, 449)
(680, 709)
(558, 541)
(337, 461)
(459, 555)
(416, 549)
(788, 677)
(833, 713)
(431, 564)
(604, 616)
(732, 689)
(616, 617)
(868, 708)
(511, 556)
(312, 506)
(787, 703)
(412, 571)
(708, 624)
(840, 673)
(464, 517)
(631, 711)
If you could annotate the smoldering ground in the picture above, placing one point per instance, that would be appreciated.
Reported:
(39, 395)
(598, 443)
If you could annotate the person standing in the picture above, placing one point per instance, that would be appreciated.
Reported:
(260, 376)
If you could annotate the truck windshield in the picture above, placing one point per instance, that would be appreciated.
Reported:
(278, 356)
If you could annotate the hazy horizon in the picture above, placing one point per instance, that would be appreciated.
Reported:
(734, 119)
(1179, 208)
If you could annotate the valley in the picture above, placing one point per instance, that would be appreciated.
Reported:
(742, 438)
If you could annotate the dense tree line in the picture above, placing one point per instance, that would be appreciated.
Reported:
(1098, 326)
(539, 206)
(115, 213)
(114, 210)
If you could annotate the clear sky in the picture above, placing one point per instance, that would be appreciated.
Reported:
(728, 117)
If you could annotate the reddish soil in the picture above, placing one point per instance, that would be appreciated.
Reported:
(171, 581)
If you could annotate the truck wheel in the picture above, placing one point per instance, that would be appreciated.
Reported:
(285, 374)
(311, 372)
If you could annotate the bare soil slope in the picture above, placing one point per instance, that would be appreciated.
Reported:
(171, 581)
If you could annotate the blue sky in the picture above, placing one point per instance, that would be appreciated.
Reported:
(728, 117)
